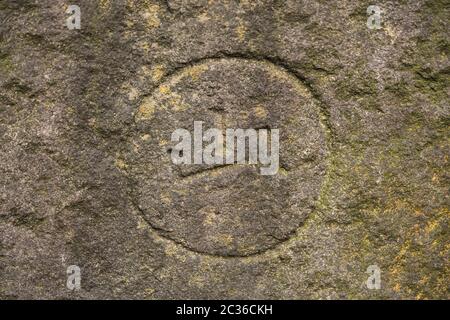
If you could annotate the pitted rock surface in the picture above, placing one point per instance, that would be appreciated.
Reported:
(86, 178)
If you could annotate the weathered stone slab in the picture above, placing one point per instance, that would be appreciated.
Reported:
(85, 173)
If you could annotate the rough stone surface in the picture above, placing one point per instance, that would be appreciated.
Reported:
(229, 210)
(86, 179)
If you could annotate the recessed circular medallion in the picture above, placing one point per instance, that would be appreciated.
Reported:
(228, 210)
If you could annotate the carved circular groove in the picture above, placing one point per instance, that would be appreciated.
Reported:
(230, 210)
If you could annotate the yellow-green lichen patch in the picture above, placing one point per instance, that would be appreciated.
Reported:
(146, 110)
